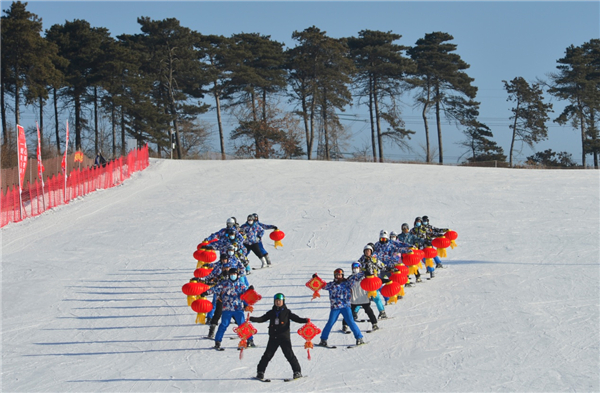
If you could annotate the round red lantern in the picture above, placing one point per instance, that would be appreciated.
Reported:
(193, 289)
(202, 272)
(441, 243)
(410, 259)
(201, 306)
(399, 277)
(371, 284)
(277, 236)
(452, 236)
(402, 269)
(430, 253)
(391, 290)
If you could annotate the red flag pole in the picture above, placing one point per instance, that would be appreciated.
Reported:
(64, 162)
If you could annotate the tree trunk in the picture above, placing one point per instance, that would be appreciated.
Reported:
(377, 120)
(96, 135)
(123, 146)
(439, 126)
(220, 123)
(373, 140)
(4, 127)
(113, 121)
(312, 122)
(581, 123)
(306, 129)
(77, 123)
(514, 136)
(264, 106)
(325, 131)
(17, 114)
(426, 123)
(41, 124)
(56, 124)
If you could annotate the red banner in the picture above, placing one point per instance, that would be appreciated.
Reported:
(39, 157)
(22, 155)
(63, 164)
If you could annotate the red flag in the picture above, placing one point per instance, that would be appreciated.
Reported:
(22, 155)
(39, 157)
(63, 164)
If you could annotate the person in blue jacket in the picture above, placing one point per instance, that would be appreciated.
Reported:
(433, 232)
(254, 232)
(230, 223)
(260, 243)
(233, 237)
(230, 291)
(340, 294)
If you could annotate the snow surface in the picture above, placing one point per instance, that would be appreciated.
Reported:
(92, 301)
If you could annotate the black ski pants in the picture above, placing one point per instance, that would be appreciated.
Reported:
(286, 348)
(368, 310)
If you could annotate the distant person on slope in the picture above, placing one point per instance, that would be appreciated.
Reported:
(279, 335)
(433, 232)
(340, 293)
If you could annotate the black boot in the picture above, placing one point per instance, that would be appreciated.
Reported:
(260, 375)
(211, 331)
(217, 345)
(297, 374)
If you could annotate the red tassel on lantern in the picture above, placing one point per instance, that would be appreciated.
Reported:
(316, 284)
(308, 332)
(277, 236)
(371, 284)
(441, 243)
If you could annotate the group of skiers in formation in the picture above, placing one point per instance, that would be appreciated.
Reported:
(228, 283)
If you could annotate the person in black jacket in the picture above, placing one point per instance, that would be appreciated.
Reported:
(279, 335)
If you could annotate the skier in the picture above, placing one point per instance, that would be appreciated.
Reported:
(340, 292)
(407, 237)
(230, 223)
(279, 335)
(420, 233)
(254, 232)
(370, 263)
(260, 243)
(230, 291)
(359, 299)
(233, 237)
(433, 232)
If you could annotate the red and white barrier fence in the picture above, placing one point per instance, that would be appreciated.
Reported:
(37, 200)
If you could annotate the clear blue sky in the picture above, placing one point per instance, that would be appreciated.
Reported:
(500, 40)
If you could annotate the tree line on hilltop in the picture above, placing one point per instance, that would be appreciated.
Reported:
(154, 85)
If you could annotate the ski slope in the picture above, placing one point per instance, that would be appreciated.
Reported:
(92, 301)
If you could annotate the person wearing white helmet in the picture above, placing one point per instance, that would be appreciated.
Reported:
(230, 223)
(371, 265)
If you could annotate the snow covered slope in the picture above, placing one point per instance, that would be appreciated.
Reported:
(92, 302)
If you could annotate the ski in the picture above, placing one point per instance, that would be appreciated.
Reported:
(262, 380)
(371, 331)
(328, 346)
(220, 349)
(293, 379)
(354, 346)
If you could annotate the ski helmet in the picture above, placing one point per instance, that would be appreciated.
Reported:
(425, 219)
(393, 235)
(230, 222)
(223, 256)
(368, 247)
(384, 234)
(418, 219)
(355, 265)
(250, 219)
(405, 226)
(255, 216)
(279, 296)
(338, 271)
(231, 232)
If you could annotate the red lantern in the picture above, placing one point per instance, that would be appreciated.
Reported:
(193, 289)
(402, 269)
(371, 284)
(400, 277)
(245, 331)
(308, 332)
(391, 290)
(411, 260)
(452, 236)
(441, 243)
(316, 284)
(430, 253)
(250, 297)
(277, 236)
(201, 306)
(202, 272)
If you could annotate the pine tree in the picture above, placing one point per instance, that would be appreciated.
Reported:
(381, 72)
(439, 73)
(529, 115)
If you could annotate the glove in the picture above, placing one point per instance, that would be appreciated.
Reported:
(251, 287)
(274, 227)
(315, 275)
(204, 294)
